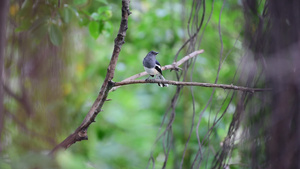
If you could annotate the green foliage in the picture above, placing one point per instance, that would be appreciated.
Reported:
(57, 18)
(95, 29)
(100, 19)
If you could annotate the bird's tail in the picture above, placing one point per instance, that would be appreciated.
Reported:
(162, 84)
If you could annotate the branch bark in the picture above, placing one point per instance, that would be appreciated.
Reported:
(81, 132)
(177, 83)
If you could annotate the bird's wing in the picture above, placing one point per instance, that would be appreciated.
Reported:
(156, 62)
(157, 67)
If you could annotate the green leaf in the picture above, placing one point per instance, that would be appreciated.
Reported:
(94, 28)
(55, 35)
(67, 14)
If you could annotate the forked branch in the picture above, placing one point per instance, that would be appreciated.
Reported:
(81, 132)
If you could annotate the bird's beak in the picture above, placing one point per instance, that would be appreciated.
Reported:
(156, 53)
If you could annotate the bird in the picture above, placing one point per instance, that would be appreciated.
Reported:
(152, 67)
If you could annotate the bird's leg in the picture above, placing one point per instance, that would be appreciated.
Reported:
(159, 84)
(148, 78)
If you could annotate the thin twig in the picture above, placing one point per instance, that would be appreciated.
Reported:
(177, 83)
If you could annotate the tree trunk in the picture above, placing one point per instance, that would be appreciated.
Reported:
(3, 16)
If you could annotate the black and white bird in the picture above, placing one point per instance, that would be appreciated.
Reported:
(153, 68)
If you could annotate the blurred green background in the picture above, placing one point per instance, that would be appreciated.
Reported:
(56, 59)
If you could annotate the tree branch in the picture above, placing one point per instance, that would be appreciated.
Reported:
(81, 132)
(177, 83)
(174, 66)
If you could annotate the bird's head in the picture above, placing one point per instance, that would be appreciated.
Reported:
(153, 52)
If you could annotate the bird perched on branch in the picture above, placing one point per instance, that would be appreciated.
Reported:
(152, 67)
